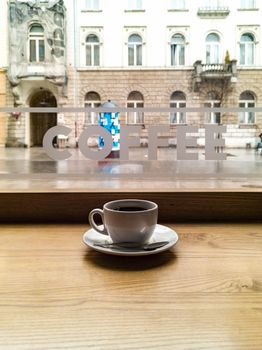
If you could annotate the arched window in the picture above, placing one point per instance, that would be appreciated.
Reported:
(212, 101)
(247, 49)
(212, 48)
(178, 100)
(36, 43)
(135, 100)
(135, 50)
(92, 50)
(177, 50)
(92, 100)
(247, 100)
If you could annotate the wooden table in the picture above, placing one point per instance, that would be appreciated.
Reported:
(205, 293)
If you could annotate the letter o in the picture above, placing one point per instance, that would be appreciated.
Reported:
(91, 154)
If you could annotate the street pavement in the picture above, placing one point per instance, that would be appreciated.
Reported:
(32, 169)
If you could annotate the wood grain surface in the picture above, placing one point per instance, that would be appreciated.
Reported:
(205, 293)
(188, 206)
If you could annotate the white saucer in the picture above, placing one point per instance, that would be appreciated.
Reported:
(161, 233)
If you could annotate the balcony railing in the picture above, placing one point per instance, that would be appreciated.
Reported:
(216, 68)
(214, 71)
(213, 11)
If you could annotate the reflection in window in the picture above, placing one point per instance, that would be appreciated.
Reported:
(92, 5)
(92, 50)
(178, 4)
(247, 100)
(212, 101)
(92, 100)
(36, 43)
(247, 4)
(135, 50)
(178, 100)
(247, 49)
(177, 50)
(135, 4)
(212, 48)
(135, 100)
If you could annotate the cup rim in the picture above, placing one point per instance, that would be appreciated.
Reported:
(154, 205)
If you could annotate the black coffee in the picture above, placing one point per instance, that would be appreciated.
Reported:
(129, 209)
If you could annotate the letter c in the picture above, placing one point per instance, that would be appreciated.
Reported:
(48, 145)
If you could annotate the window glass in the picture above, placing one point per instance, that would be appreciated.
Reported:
(247, 4)
(177, 100)
(92, 50)
(177, 50)
(92, 4)
(92, 100)
(212, 48)
(135, 50)
(247, 100)
(58, 54)
(135, 4)
(36, 43)
(212, 101)
(247, 49)
(178, 4)
(135, 100)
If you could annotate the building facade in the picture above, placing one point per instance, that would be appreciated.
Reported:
(137, 53)
(3, 70)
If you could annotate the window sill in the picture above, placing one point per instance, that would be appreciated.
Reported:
(95, 11)
(242, 67)
(88, 68)
(248, 9)
(134, 68)
(247, 125)
(136, 11)
(178, 10)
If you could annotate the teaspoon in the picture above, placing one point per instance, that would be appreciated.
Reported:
(132, 246)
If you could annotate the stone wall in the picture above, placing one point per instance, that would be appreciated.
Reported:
(157, 86)
(2, 104)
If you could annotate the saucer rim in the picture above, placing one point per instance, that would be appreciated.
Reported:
(141, 252)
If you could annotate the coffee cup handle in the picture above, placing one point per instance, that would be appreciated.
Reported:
(92, 221)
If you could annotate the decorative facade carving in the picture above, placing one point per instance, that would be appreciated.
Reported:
(50, 15)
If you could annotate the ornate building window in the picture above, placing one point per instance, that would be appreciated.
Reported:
(212, 48)
(247, 49)
(177, 50)
(135, 100)
(247, 100)
(135, 49)
(178, 100)
(36, 43)
(92, 100)
(92, 50)
(212, 102)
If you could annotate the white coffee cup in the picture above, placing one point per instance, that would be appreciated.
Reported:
(127, 220)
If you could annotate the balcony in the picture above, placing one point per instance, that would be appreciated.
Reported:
(217, 12)
(215, 71)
